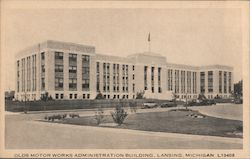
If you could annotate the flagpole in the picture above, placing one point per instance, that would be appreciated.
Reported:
(149, 46)
(149, 42)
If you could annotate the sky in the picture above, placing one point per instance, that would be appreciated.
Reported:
(193, 36)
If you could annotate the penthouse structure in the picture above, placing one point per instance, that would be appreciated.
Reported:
(73, 71)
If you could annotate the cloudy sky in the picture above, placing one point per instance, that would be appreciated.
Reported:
(196, 36)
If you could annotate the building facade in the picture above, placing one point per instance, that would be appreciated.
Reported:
(72, 71)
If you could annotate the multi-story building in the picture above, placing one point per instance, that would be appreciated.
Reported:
(73, 71)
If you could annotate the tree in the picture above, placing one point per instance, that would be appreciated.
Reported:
(140, 95)
(99, 96)
(45, 97)
(238, 89)
(202, 97)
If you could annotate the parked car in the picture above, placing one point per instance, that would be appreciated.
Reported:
(169, 104)
(211, 102)
(238, 101)
(149, 105)
(201, 102)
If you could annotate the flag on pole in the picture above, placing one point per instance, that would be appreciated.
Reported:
(149, 37)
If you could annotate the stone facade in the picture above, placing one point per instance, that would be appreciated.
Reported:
(72, 71)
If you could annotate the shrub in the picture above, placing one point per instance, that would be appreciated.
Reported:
(239, 128)
(64, 116)
(73, 115)
(119, 114)
(99, 115)
(55, 116)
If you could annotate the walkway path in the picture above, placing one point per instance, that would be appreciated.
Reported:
(226, 111)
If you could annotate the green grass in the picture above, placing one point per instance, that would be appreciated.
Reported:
(171, 121)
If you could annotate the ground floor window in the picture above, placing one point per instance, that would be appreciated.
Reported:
(57, 96)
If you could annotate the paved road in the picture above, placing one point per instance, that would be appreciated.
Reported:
(23, 131)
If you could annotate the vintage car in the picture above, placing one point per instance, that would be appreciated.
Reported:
(168, 104)
(149, 105)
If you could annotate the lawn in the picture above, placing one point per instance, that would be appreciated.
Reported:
(172, 122)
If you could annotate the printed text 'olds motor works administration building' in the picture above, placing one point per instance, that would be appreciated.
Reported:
(73, 71)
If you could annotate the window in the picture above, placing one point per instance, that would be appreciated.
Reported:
(88, 96)
(159, 80)
(72, 83)
(176, 81)
(75, 96)
(194, 82)
(43, 56)
(229, 82)
(220, 81)
(59, 55)
(62, 96)
(210, 81)
(43, 68)
(145, 77)
(97, 76)
(57, 96)
(225, 82)
(202, 82)
(188, 81)
(70, 96)
(58, 83)
(83, 96)
(85, 71)
(72, 57)
(133, 67)
(58, 68)
(72, 69)
(85, 84)
(43, 84)
(170, 79)
(85, 58)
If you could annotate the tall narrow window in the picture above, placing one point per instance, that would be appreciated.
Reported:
(152, 79)
(176, 81)
(97, 76)
(225, 82)
(85, 72)
(220, 81)
(159, 80)
(145, 77)
(229, 82)
(202, 82)
(210, 81)
(72, 72)
(170, 79)
(43, 71)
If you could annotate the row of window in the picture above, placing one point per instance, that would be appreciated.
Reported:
(71, 96)
(117, 96)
